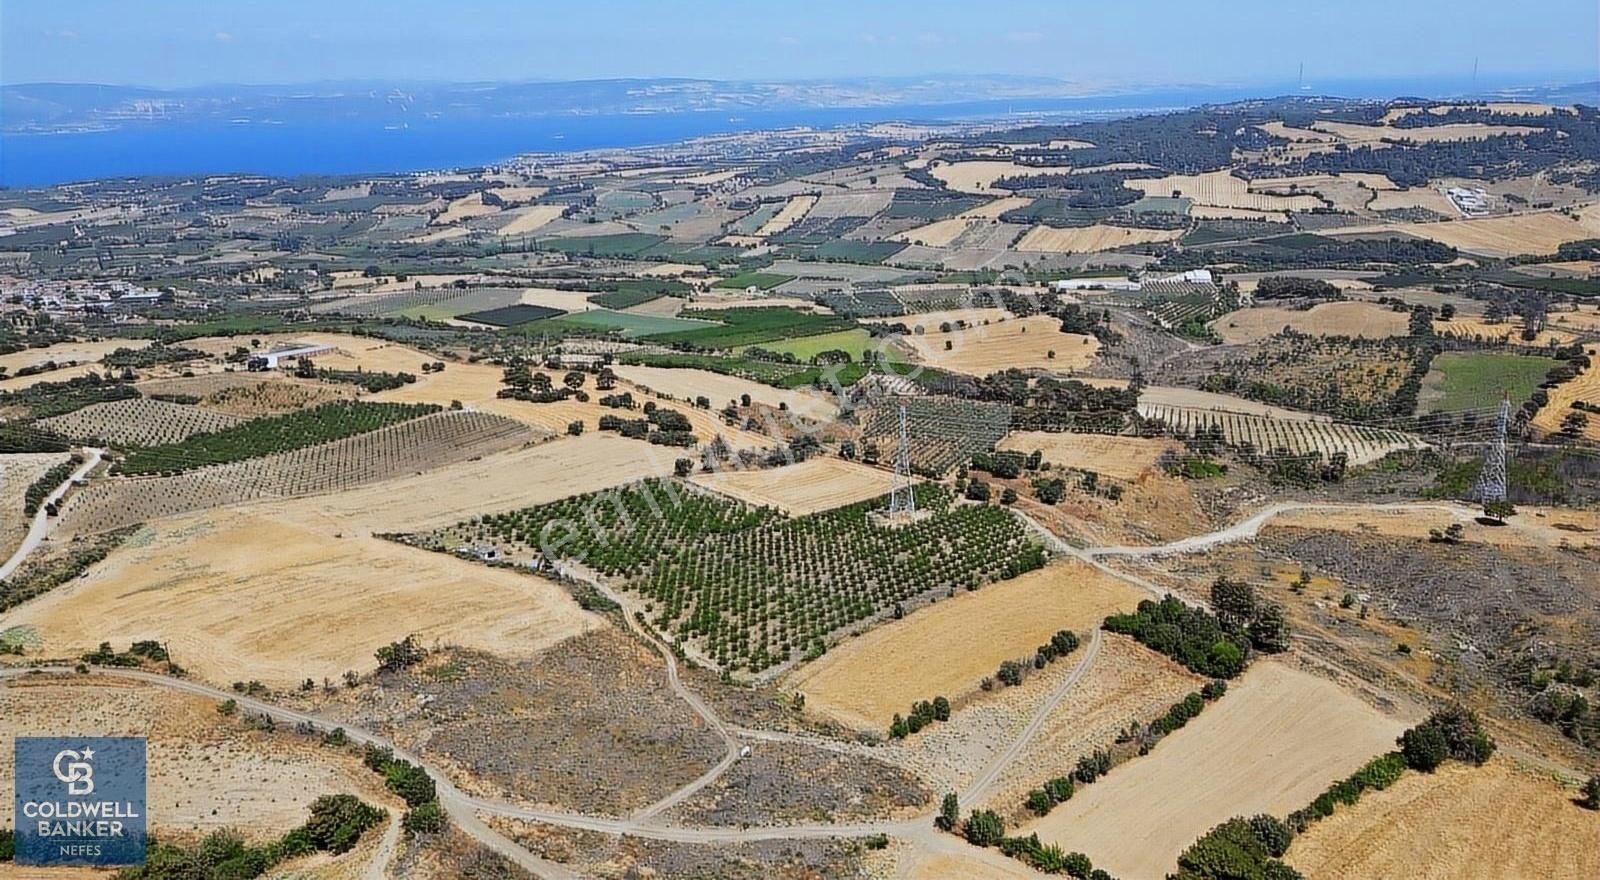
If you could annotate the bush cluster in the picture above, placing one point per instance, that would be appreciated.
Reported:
(1048, 858)
(922, 715)
(413, 785)
(336, 824)
(1200, 641)
(1239, 848)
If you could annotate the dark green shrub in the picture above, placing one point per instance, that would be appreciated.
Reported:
(425, 818)
(984, 828)
(1424, 747)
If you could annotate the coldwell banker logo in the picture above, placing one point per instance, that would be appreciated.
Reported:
(80, 801)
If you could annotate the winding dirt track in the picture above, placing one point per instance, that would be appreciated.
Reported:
(464, 810)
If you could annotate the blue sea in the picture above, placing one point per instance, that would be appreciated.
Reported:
(361, 147)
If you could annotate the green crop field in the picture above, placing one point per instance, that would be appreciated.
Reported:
(629, 324)
(752, 589)
(624, 244)
(1475, 380)
(744, 327)
(806, 347)
(853, 251)
(510, 316)
(763, 280)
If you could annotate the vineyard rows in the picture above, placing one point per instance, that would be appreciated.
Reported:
(424, 443)
(753, 589)
(373, 306)
(138, 421)
(1362, 444)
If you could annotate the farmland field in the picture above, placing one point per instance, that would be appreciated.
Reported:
(17, 473)
(1274, 742)
(686, 385)
(696, 565)
(264, 593)
(139, 421)
(1090, 239)
(1361, 444)
(1123, 458)
(407, 447)
(947, 648)
(1585, 389)
(1328, 319)
(760, 280)
(1475, 380)
(808, 487)
(793, 212)
(855, 342)
(1025, 343)
(510, 315)
(1539, 233)
(269, 435)
(1460, 821)
(1223, 190)
(628, 323)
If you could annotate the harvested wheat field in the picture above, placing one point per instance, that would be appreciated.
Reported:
(979, 177)
(463, 208)
(271, 593)
(807, 487)
(565, 300)
(1375, 135)
(949, 647)
(686, 385)
(1123, 458)
(1025, 343)
(1327, 319)
(1275, 741)
(1497, 237)
(66, 352)
(1585, 389)
(530, 218)
(1221, 189)
(793, 212)
(206, 771)
(1427, 198)
(1458, 823)
(1090, 239)
(1531, 527)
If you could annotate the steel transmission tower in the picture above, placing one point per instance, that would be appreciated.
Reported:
(1491, 484)
(902, 500)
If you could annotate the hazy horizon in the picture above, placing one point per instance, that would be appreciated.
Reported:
(182, 44)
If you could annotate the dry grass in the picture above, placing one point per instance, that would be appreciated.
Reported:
(1426, 198)
(276, 593)
(949, 647)
(1023, 343)
(1191, 398)
(941, 233)
(17, 473)
(1090, 239)
(813, 485)
(1328, 319)
(1531, 527)
(1374, 135)
(1459, 822)
(686, 385)
(1124, 458)
(205, 772)
(1274, 742)
(463, 208)
(930, 321)
(793, 212)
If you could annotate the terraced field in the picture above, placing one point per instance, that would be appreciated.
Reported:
(398, 450)
(139, 421)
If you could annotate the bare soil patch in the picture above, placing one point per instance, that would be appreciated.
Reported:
(1024, 343)
(788, 782)
(1328, 319)
(1125, 458)
(1090, 239)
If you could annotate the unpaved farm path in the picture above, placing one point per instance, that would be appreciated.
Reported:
(466, 811)
(43, 523)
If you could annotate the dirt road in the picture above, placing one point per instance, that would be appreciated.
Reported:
(43, 522)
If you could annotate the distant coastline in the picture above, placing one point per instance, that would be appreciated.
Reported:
(289, 147)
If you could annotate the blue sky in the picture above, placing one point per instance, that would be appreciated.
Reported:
(174, 43)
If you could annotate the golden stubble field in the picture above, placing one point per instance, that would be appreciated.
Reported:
(1460, 821)
(280, 593)
(1023, 343)
(1090, 239)
(686, 385)
(1328, 319)
(807, 487)
(947, 648)
(1273, 743)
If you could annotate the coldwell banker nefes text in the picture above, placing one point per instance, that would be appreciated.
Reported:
(80, 801)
